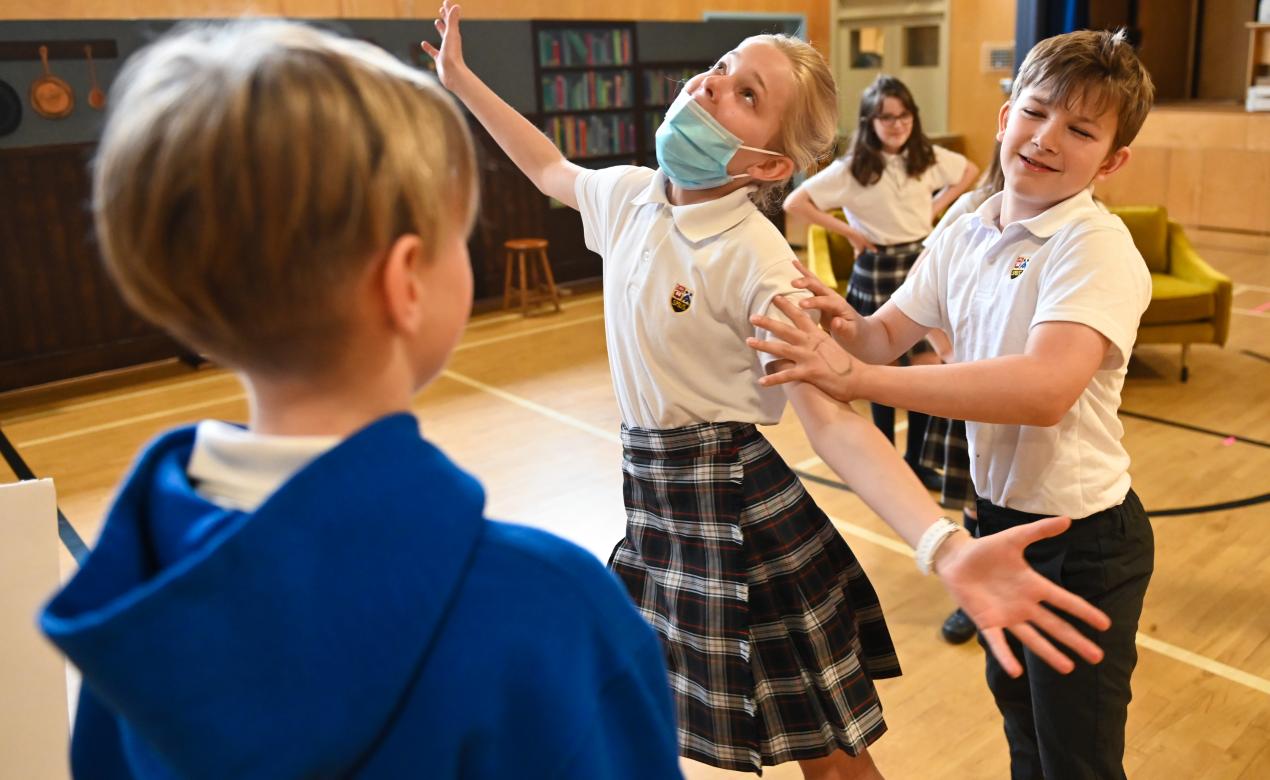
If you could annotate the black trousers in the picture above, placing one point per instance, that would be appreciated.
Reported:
(1071, 727)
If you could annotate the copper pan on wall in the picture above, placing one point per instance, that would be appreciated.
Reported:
(51, 97)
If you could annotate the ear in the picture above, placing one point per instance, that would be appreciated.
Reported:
(401, 284)
(1002, 116)
(774, 168)
(1114, 162)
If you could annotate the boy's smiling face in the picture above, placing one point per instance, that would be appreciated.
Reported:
(1051, 151)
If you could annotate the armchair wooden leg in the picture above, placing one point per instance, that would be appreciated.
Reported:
(1186, 372)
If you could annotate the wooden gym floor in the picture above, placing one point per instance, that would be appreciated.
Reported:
(527, 405)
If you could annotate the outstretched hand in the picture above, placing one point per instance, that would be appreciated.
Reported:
(990, 579)
(449, 57)
(817, 359)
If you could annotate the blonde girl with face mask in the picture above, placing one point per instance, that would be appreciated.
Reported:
(772, 632)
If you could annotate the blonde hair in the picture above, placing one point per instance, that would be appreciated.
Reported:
(1094, 68)
(810, 128)
(249, 172)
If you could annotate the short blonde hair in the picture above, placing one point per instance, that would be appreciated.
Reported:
(1096, 68)
(250, 171)
(809, 131)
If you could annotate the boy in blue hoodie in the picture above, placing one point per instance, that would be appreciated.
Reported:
(319, 594)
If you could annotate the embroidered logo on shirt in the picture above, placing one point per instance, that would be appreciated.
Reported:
(681, 298)
(1020, 265)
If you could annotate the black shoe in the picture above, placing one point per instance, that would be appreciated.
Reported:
(930, 478)
(958, 628)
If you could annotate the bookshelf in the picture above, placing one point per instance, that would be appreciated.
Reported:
(585, 74)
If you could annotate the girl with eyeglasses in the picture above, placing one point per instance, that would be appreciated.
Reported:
(891, 187)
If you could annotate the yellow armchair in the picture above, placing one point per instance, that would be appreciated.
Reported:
(1190, 301)
(829, 255)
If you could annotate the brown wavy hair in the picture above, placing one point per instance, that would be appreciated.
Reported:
(866, 148)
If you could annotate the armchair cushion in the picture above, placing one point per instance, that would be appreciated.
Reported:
(1149, 226)
(1177, 300)
(829, 255)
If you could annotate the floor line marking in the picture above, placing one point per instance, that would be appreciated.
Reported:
(1204, 663)
(224, 372)
(1181, 655)
(128, 421)
(78, 405)
(532, 406)
(814, 460)
(522, 333)
(486, 320)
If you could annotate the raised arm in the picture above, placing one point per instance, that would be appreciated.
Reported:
(532, 152)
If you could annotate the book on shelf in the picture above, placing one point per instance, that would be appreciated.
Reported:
(585, 91)
(596, 135)
(596, 47)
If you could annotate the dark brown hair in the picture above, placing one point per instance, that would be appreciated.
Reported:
(866, 148)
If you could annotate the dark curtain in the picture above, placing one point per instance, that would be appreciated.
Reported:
(1036, 20)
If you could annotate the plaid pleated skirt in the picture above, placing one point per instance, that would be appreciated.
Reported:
(947, 449)
(877, 274)
(773, 634)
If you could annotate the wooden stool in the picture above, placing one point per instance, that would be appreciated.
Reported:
(532, 289)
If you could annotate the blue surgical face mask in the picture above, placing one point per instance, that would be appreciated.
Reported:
(693, 149)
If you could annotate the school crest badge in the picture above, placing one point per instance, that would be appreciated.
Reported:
(1020, 265)
(680, 298)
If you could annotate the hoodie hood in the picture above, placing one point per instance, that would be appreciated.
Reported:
(280, 642)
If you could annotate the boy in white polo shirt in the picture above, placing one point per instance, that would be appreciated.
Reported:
(1041, 292)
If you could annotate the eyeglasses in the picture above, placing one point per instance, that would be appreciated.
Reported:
(891, 120)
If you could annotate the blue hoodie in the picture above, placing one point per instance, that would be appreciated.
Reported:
(365, 621)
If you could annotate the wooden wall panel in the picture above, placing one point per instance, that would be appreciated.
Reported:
(1210, 167)
(1166, 42)
(1223, 48)
(1150, 179)
(1235, 189)
(1186, 168)
(59, 313)
(975, 96)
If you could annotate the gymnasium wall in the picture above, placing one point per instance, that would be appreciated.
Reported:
(973, 95)
(816, 11)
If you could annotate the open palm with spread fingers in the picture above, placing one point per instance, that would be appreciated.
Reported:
(449, 57)
(991, 580)
(815, 358)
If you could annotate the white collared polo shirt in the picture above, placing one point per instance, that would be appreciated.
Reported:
(896, 208)
(680, 284)
(988, 287)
